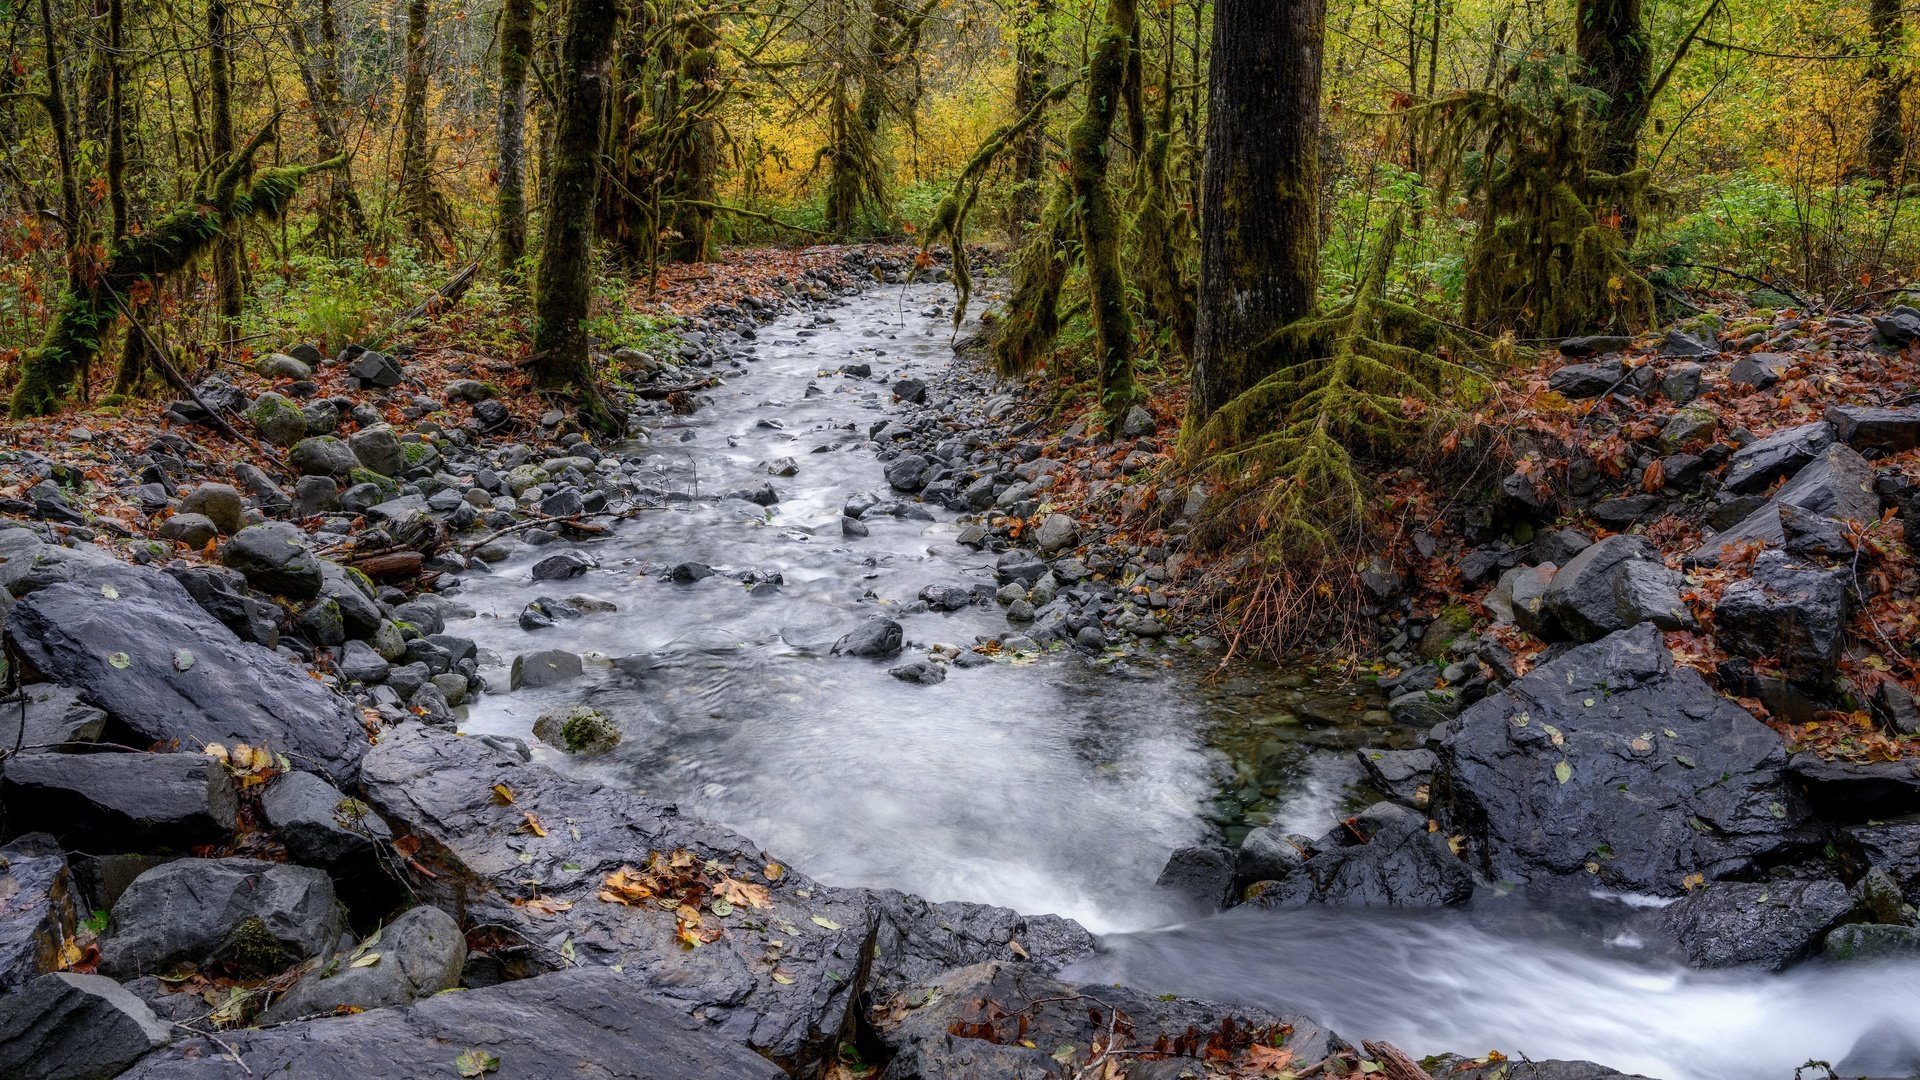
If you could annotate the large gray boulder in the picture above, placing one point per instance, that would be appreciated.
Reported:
(378, 448)
(1616, 583)
(1788, 611)
(65, 1026)
(164, 668)
(1864, 427)
(322, 455)
(321, 826)
(1387, 858)
(919, 940)
(583, 1022)
(1755, 466)
(1837, 485)
(37, 908)
(1611, 766)
(121, 802)
(878, 637)
(1769, 924)
(274, 558)
(790, 1001)
(416, 955)
(242, 916)
(55, 717)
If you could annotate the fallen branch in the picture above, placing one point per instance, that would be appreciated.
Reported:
(178, 381)
(1398, 1065)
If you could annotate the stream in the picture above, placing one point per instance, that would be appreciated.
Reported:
(1061, 785)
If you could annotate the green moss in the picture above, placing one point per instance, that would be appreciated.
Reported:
(368, 476)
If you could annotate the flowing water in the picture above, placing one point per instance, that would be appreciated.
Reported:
(1062, 785)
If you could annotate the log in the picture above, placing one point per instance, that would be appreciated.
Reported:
(390, 565)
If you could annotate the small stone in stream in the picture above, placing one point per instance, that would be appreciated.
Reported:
(1890, 431)
(1768, 924)
(853, 527)
(1593, 345)
(246, 916)
(545, 668)
(946, 597)
(564, 566)
(1056, 534)
(1018, 565)
(783, 467)
(423, 617)
(1758, 464)
(1681, 383)
(319, 825)
(1385, 858)
(1679, 343)
(1203, 875)
(687, 573)
(419, 954)
(1020, 611)
(375, 369)
(1424, 708)
(1580, 381)
(911, 390)
(67, 1026)
(859, 503)
(921, 672)
(193, 530)
(1091, 638)
(877, 637)
(907, 472)
(764, 495)
(578, 730)
(274, 559)
(564, 503)
(322, 455)
(1268, 854)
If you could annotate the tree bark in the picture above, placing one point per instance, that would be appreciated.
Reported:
(698, 157)
(320, 74)
(565, 278)
(1616, 59)
(510, 206)
(416, 192)
(1886, 131)
(1260, 223)
(1088, 154)
(1032, 78)
(226, 251)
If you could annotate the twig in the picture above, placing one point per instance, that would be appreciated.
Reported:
(219, 1042)
(179, 382)
(1397, 1064)
(1762, 282)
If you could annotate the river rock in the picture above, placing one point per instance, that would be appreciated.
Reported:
(66, 1026)
(218, 503)
(1765, 923)
(274, 558)
(416, 955)
(1838, 485)
(378, 448)
(320, 825)
(1850, 791)
(918, 940)
(1789, 611)
(920, 672)
(586, 1021)
(1404, 776)
(878, 637)
(1202, 874)
(907, 472)
(561, 567)
(240, 915)
(121, 802)
(1454, 1067)
(277, 419)
(322, 455)
(37, 908)
(193, 530)
(1755, 466)
(1864, 941)
(1888, 430)
(1596, 766)
(1616, 583)
(1578, 381)
(54, 717)
(1056, 534)
(375, 369)
(164, 668)
(548, 667)
(443, 791)
(578, 730)
(1386, 858)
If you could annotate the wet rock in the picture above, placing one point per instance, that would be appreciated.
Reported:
(1855, 791)
(378, 448)
(1202, 875)
(1869, 942)
(1268, 854)
(66, 1026)
(911, 390)
(1579, 381)
(548, 667)
(1769, 924)
(240, 915)
(920, 672)
(416, 955)
(1596, 766)
(1838, 485)
(1681, 383)
(274, 558)
(38, 913)
(1898, 327)
(907, 472)
(1138, 423)
(1680, 343)
(1888, 430)
(1622, 512)
(321, 826)
(1809, 535)
(1758, 371)
(277, 420)
(1755, 466)
(564, 566)
(1616, 583)
(1056, 534)
(1894, 709)
(687, 573)
(578, 730)
(1386, 858)
(120, 802)
(1593, 345)
(218, 592)
(218, 503)
(877, 637)
(440, 789)
(1453, 1067)
(322, 455)
(1404, 776)
(166, 670)
(375, 369)
(946, 597)
(1788, 611)
(918, 940)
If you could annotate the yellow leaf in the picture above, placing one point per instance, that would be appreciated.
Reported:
(742, 894)
(782, 978)
(822, 920)
(533, 824)
(774, 871)
(368, 960)
(502, 795)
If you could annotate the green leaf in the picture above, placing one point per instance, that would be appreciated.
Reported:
(822, 920)
(109, 592)
(1563, 772)
(182, 660)
(476, 1062)
(120, 660)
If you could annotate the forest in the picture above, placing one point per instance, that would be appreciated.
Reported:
(1131, 497)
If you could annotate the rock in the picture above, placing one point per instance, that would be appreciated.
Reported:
(946, 597)
(54, 716)
(545, 668)
(1890, 431)
(1893, 707)
(1056, 534)
(907, 472)
(322, 455)
(687, 573)
(1839, 485)
(562, 567)
(1789, 611)
(491, 415)
(1755, 466)
(919, 940)
(1810, 535)
(239, 915)
(920, 672)
(66, 1026)
(440, 789)
(1424, 708)
(1622, 512)
(1267, 854)
(877, 637)
(1897, 328)
(1404, 776)
(1386, 858)
(1857, 791)
(1523, 590)
(1680, 343)
(1453, 1067)
(578, 730)
(1687, 428)
(166, 670)
(321, 826)
(1579, 381)
(1138, 423)
(193, 530)
(277, 420)
(911, 390)
(416, 955)
(274, 558)
(1863, 941)
(1766, 923)
(218, 503)
(1616, 583)
(282, 366)
(1202, 875)
(405, 519)
(378, 448)
(1681, 383)
(218, 592)
(1595, 766)
(1593, 345)
(589, 1021)
(763, 495)
(1758, 371)
(375, 369)
(120, 802)
(37, 916)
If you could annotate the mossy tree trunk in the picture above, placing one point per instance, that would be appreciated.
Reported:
(510, 138)
(1032, 79)
(133, 355)
(226, 252)
(1260, 220)
(1088, 154)
(856, 172)
(1616, 59)
(697, 152)
(564, 283)
(340, 211)
(416, 180)
(1886, 129)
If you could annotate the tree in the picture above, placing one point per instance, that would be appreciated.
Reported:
(1616, 59)
(320, 74)
(563, 291)
(226, 250)
(1260, 222)
(1087, 159)
(426, 209)
(510, 137)
(1886, 130)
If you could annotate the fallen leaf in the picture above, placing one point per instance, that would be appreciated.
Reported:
(742, 893)
(822, 920)
(502, 795)
(533, 824)
(368, 960)
(476, 1062)
(1563, 772)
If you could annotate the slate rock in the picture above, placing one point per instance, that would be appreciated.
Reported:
(1202, 875)
(1626, 510)
(549, 667)
(1789, 611)
(1608, 755)
(1580, 381)
(1857, 791)
(564, 566)
(417, 955)
(1681, 382)
(907, 472)
(1057, 533)
(218, 591)
(911, 390)
(375, 369)
(67, 1026)
(1680, 343)
(120, 801)
(920, 673)
(194, 530)
(1593, 345)
(321, 826)
(1894, 709)
(1405, 776)
(1897, 328)
(218, 503)
(1616, 583)
(578, 730)
(439, 788)
(322, 455)
(38, 912)
(878, 637)
(1758, 371)
(274, 558)
(1839, 485)
(1387, 858)
(165, 669)
(240, 915)
(1453, 1067)
(378, 448)
(1268, 854)
(54, 716)
(919, 940)
(1888, 430)
(1755, 466)
(1767, 924)
(687, 573)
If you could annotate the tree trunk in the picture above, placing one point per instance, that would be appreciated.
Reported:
(1610, 37)
(416, 191)
(1032, 78)
(698, 156)
(320, 74)
(1260, 223)
(565, 278)
(1088, 146)
(226, 251)
(133, 355)
(1886, 131)
(510, 206)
